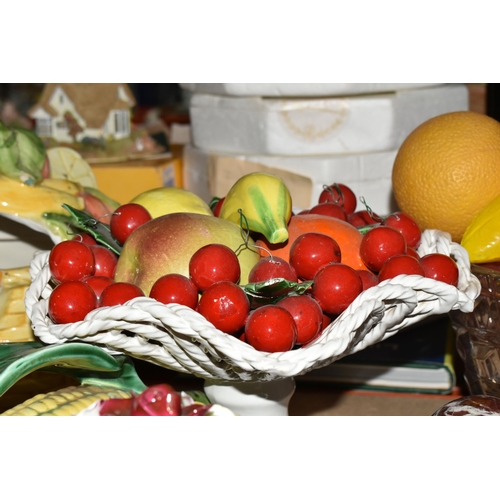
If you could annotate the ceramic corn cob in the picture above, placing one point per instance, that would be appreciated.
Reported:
(14, 323)
(64, 402)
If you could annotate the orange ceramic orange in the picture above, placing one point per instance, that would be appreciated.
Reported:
(346, 235)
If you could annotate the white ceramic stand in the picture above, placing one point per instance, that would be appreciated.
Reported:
(253, 398)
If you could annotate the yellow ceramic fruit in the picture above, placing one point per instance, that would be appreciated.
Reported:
(68, 164)
(482, 237)
(32, 202)
(14, 322)
(446, 171)
(266, 203)
(169, 200)
(66, 186)
(66, 402)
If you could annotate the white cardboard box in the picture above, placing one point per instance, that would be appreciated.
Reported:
(298, 89)
(317, 126)
(368, 175)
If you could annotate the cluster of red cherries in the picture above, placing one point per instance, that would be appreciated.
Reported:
(83, 272)
(160, 400)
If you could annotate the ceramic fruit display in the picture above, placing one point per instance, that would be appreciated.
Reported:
(229, 329)
(225, 320)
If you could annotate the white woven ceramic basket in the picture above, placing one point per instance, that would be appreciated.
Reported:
(178, 338)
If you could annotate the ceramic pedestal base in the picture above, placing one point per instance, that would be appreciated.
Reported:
(253, 398)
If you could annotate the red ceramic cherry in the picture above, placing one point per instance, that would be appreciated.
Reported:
(71, 260)
(340, 194)
(225, 305)
(362, 218)
(368, 278)
(271, 267)
(217, 207)
(158, 400)
(71, 301)
(335, 286)
(380, 243)
(175, 288)
(98, 283)
(311, 251)
(440, 267)
(400, 264)
(118, 293)
(271, 328)
(406, 225)
(105, 261)
(411, 251)
(330, 209)
(85, 238)
(213, 263)
(307, 314)
(126, 219)
(196, 410)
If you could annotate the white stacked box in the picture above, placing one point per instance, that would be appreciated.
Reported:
(212, 174)
(351, 139)
(317, 126)
(298, 89)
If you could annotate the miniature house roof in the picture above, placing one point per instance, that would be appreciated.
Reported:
(93, 101)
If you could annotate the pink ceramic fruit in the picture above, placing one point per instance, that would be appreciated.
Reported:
(166, 244)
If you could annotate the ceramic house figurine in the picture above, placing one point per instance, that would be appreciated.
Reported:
(75, 112)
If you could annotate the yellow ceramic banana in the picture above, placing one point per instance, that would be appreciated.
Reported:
(169, 199)
(31, 202)
(265, 202)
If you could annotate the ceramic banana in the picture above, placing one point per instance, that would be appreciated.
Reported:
(265, 202)
(39, 202)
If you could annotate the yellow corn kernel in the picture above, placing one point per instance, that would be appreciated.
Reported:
(64, 402)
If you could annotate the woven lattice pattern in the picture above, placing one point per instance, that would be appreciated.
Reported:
(178, 338)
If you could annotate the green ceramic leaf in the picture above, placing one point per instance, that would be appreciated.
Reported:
(199, 397)
(98, 230)
(22, 154)
(87, 363)
(273, 290)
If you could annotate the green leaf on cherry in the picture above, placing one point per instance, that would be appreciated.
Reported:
(273, 290)
(100, 231)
